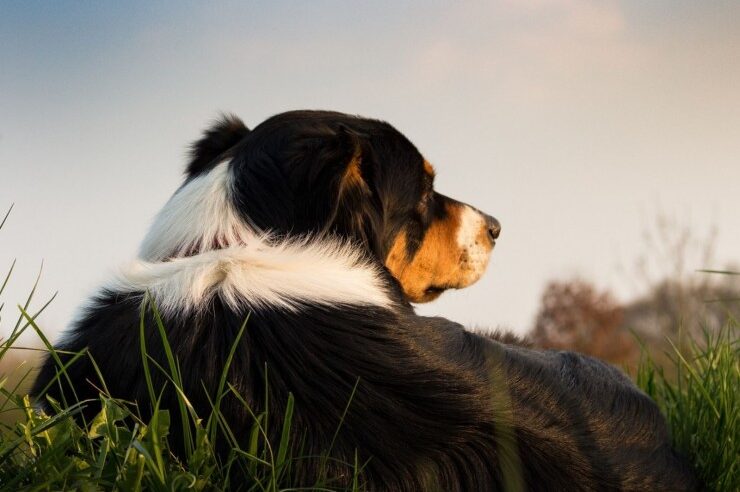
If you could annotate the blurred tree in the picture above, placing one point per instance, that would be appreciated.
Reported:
(673, 300)
(575, 315)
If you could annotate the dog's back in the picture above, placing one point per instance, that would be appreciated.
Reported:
(435, 405)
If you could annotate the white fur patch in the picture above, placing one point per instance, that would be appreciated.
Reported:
(199, 217)
(199, 247)
(471, 223)
(474, 245)
(259, 274)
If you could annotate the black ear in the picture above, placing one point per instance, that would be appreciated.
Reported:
(357, 211)
(324, 175)
(225, 132)
(351, 177)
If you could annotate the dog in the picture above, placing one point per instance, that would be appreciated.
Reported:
(318, 230)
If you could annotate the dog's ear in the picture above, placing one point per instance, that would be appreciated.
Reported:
(329, 178)
(221, 136)
(353, 178)
(308, 179)
(356, 207)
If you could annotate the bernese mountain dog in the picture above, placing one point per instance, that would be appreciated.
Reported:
(320, 229)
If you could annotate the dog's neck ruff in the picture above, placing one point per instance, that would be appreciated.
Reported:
(199, 247)
(288, 275)
(199, 217)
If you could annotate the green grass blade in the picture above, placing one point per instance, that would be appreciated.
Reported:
(696, 378)
(7, 277)
(176, 377)
(285, 434)
(30, 297)
(7, 214)
(60, 365)
(222, 380)
(143, 350)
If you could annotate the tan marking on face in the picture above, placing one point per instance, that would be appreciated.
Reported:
(428, 168)
(448, 257)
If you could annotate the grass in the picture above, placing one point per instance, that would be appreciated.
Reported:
(699, 392)
(118, 450)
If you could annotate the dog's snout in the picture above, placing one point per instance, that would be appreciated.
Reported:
(494, 227)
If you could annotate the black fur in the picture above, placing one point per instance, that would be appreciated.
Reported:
(437, 407)
(225, 132)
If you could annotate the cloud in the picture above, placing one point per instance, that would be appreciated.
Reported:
(532, 50)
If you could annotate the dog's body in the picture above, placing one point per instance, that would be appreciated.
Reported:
(320, 228)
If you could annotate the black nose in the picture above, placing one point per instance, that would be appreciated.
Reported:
(494, 227)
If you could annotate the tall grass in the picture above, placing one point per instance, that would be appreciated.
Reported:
(699, 394)
(118, 450)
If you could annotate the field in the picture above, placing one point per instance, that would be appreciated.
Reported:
(698, 390)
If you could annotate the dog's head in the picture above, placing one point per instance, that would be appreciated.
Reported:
(309, 172)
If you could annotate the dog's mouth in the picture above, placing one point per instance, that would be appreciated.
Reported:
(434, 290)
(431, 293)
(452, 254)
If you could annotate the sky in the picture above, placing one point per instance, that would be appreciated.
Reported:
(573, 122)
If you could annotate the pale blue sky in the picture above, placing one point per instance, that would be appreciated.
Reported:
(573, 122)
